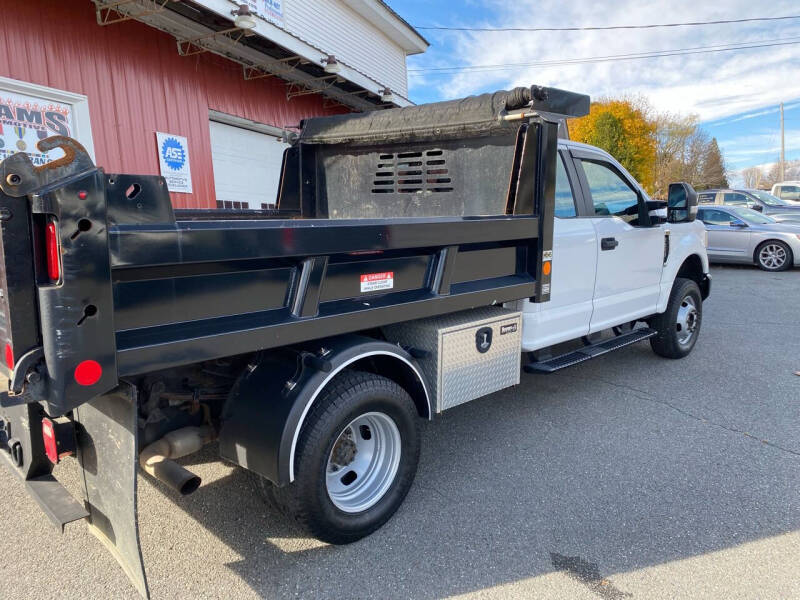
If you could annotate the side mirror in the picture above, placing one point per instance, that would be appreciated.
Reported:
(757, 207)
(739, 224)
(681, 203)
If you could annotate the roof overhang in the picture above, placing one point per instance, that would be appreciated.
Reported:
(265, 51)
(391, 24)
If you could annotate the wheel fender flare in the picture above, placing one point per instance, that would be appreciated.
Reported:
(269, 404)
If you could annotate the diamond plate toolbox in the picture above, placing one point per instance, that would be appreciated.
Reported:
(469, 354)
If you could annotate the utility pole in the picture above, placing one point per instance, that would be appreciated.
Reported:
(782, 145)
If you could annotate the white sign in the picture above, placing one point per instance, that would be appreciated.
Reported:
(372, 282)
(25, 119)
(269, 10)
(173, 157)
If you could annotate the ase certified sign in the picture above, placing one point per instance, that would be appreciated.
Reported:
(173, 158)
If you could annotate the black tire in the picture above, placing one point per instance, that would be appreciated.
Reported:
(348, 396)
(759, 260)
(667, 342)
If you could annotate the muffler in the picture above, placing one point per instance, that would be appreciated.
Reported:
(157, 458)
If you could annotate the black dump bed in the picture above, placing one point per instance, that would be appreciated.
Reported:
(382, 218)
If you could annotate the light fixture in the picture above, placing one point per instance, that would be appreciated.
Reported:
(244, 18)
(386, 95)
(331, 64)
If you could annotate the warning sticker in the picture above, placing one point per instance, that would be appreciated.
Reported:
(377, 281)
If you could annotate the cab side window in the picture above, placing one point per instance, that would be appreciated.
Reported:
(611, 194)
(706, 198)
(565, 200)
(789, 192)
(734, 199)
(714, 217)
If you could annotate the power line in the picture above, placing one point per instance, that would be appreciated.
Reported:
(611, 58)
(608, 27)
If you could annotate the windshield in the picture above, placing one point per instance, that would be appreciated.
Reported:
(752, 216)
(768, 198)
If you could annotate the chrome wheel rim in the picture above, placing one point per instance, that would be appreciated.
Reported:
(772, 256)
(363, 462)
(688, 316)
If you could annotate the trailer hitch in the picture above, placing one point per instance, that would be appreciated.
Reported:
(21, 177)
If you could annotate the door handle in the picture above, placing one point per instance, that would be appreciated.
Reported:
(608, 243)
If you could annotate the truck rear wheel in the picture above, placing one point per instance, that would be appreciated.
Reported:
(679, 325)
(355, 460)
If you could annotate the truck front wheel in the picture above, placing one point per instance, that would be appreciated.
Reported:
(355, 460)
(679, 325)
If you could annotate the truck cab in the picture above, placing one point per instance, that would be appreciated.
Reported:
(615, 256)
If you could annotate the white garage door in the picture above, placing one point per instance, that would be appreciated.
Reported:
(247, 166)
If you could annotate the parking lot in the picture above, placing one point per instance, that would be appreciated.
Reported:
(627, 476)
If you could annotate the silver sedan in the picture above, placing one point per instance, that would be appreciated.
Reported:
(738, 234)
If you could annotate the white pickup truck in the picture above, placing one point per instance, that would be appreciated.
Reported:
(610, 269)
(415, 257)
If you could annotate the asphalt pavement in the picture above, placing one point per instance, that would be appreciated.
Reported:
(630, 476)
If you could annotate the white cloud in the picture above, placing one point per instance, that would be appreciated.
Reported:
(712, 85)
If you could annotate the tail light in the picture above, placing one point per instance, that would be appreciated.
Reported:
(9, 356)
(52, 252)
(59, 438)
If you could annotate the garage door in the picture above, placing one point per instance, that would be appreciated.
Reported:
(247, 166)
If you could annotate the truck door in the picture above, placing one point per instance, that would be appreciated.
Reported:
(630, 252)
(566, 316)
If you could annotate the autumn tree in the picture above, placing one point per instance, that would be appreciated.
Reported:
(621, 128)
(684, 152)
(656, 148)
(712, 168)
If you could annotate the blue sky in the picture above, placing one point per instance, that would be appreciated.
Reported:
(735, 94)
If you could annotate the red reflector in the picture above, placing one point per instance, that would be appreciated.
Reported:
(49, 437)
(82, 195)
(88, 372)
(53, 262)
(9, 357)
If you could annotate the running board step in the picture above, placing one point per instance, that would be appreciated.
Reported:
(588, 352)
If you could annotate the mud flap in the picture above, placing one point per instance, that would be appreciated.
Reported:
(107, 433)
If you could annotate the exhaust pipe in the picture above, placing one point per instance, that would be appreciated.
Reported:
(157, 458)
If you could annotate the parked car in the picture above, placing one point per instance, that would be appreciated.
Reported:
(759, 200)
(787, 190)
(741, 235)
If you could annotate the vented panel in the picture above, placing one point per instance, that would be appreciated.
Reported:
(412, 172)
(458, 177)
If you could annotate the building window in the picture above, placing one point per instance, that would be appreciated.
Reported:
(31, 112)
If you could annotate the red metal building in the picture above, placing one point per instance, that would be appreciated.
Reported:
(126, 80)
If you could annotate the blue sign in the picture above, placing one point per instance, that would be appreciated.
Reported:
(174, 153)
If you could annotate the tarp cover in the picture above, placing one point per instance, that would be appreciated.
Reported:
(473, 116)
(466, 117)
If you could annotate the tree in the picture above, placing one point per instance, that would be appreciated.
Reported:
(684, 152)
(674, 135)
(773, 175)
(752, 177)
(623, 129)
(713, 167)
(657, 149)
